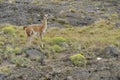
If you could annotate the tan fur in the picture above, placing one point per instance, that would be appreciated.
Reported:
(36, 29)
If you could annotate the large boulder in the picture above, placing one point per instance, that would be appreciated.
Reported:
(110, 51)
(35, 54)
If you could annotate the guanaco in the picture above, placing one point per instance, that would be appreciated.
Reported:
(36, 29)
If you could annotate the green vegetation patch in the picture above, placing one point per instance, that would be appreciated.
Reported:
(8, 29)
(20, 60)
(78, 60)
(70, 39)
(59, 40)
(57, 48)
(17, 50)
(1, 1)
(5, 69)
(9, 49)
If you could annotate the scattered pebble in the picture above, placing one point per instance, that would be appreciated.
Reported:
(99, 58)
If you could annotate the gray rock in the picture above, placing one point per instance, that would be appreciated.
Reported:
(35, 54)
(80, 21)
(111, 51)
(69, 78)
(23, 1)
(117, 24)
(2, 76)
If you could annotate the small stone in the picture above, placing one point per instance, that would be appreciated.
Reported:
(69, 78)
(98, 58)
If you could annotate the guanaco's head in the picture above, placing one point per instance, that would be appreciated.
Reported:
(46, 16)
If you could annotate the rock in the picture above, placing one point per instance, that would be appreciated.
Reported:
(23, 1)
(117, 24)
(79, 75)
(62, 21)
(80, 21)
(111, 51)
(2, 76)
(69, 78)
(35, 54)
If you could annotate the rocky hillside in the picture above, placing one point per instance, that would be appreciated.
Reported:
(87, 47)
(61, 12)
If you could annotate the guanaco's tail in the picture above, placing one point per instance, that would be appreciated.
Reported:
(24, 27)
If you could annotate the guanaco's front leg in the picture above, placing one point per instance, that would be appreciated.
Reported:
(40, 40)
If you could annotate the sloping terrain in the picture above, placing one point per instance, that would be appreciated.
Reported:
(88, 52)
(96, 47)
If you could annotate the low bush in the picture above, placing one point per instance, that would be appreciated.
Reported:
(78, 60)
(59, 40)
(9, 49)
(9, 30)
(57, 48)
(5, 69)
(17, 50)
(1, 43)
(19, 60)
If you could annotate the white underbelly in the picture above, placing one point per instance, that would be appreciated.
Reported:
(35, 33)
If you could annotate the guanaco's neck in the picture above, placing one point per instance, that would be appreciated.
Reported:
(44, 25)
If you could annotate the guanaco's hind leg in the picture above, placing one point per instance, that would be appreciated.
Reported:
(29, 40)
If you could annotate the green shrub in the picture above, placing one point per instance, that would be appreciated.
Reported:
(9, 49)
(102, 9)
(47, 40)
(37, 2)
(9, 30)
(1, 1)
(114, 15)
(1, 50)
(2, 39)
(1, 59)
(72, 10)
(57, 48)
(59, 40)
(5, 69)
(78, 60)
(17, 50)
(19, 60)
(1, 43)
(11, 1)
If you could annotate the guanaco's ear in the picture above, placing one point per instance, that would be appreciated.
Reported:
(46, 15)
